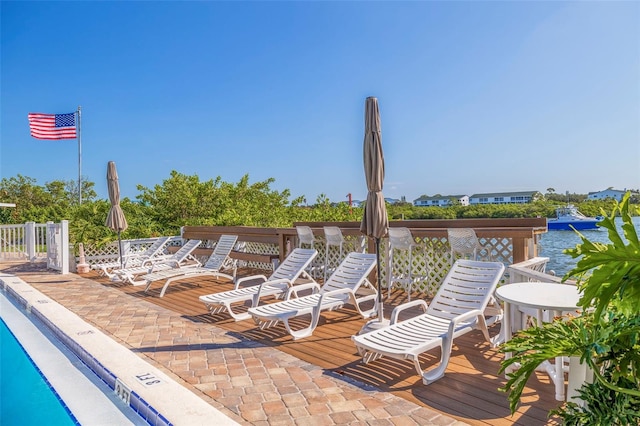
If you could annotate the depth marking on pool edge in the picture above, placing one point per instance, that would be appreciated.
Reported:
(123, 392)
(148, 379)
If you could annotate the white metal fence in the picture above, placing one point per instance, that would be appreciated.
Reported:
(35, 241)
(531, 270)
(26, 241)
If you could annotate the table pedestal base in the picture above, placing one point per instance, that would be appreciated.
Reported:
(555, 371)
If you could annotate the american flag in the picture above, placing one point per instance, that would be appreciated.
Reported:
(52, 126)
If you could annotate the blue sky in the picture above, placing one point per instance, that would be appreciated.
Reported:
(474, 96)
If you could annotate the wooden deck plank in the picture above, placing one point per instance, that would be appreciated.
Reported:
(468, 391)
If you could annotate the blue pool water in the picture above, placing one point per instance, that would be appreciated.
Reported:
(27, 398)
(33, 362)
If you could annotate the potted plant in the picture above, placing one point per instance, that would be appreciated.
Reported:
(605, 337)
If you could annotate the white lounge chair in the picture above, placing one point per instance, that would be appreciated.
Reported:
(218, 262)
(281, 279)
(154, 251)
(179, 259)
(341, 287)
(457, 308)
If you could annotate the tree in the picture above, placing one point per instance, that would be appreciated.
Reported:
(87, 224)
(71, 190)
(51, 202)
(254, 204)
(181, 200)
(23, 191)
(29, 198)
(185, 200)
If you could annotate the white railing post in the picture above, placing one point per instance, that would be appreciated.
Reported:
(52, 247)
(64, 249)
(30, 240)
(41, 240)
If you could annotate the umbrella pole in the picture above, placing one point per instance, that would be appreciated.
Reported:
(120, 250)
(379, 279)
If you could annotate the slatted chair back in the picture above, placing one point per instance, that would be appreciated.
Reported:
(293, 266)
(351, 273)
(185, 251)
(221, 251)
(157, 247)
(468, 285)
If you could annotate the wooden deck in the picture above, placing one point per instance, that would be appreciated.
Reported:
(468, 392)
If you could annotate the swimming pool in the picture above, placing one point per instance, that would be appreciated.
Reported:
(27, 398)
(43, 382)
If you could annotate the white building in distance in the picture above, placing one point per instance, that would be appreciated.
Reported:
(441, 201)
(611, 193)
(522, 197)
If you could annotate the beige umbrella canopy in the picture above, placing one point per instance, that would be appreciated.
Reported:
(375, 222)
(115, 219)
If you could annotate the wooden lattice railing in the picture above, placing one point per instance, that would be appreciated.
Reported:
(506, 240)
(110, 252)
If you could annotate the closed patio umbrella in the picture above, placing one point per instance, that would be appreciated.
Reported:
(115, 219)
(375, 222)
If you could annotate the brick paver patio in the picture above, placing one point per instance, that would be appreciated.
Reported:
(250, 383)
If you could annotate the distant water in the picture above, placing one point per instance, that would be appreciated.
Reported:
(554, 242)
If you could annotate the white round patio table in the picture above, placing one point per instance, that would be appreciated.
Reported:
(555, 297)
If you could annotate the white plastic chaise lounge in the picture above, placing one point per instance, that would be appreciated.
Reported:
(285, 275)
(341, 287)
(154, 251)
(180, 259)
(218, 262)
(457, 308)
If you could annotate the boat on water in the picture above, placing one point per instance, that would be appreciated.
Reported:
(569, 218)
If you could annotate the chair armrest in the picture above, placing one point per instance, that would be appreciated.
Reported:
(299, 287)
(250, 278)
(352, 297)
(151, 260)
(396, 311)
(462, 317)
(338, 291)
(152, 266)
(193, 259)
(281, 283)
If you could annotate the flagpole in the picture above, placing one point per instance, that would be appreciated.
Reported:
(79, 125)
